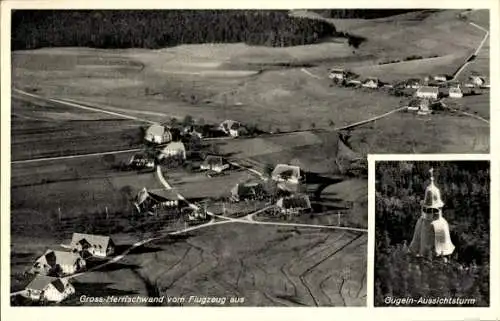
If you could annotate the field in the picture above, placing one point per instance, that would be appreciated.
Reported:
(261, 265)
(409, 133)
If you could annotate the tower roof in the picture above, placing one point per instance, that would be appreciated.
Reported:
(432, 198)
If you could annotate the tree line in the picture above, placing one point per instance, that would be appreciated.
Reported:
(162, 28)
(465, 191)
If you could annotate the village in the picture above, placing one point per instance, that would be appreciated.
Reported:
(279, 193)
(423, 95)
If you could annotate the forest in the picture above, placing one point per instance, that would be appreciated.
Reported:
(465, 190)
(33, 29)
(364, 13)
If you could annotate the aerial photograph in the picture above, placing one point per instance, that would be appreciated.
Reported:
(219, 157)
(432, 239)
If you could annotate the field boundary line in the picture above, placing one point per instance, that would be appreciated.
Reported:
(304, 70)
(359, 123)
(74, 105)
(24, 161)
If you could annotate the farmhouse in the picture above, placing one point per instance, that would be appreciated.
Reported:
(455, 92)
(337, 74)
(429, 92)
(231, 127)
(414, 104)
(214, 164)
(477, 81)
(424, 108)
(247, 190)
(55, 262)
(93, 245)
(288, 177)
(46, 288)
(371, 83)
(413, 83)
(294, 204)
(173, 150)
(157, 134)
(440, 78)
(148, 202)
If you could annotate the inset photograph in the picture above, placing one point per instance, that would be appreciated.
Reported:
(432, 233)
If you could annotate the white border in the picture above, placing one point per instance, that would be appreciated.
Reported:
(116, 313)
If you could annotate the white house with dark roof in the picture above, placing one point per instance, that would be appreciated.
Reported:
(173, 149)
(91, 244)
(440, 78)
(429, 92)
(64, 262)
(231, 127)
(455, 92)
(371, 83)
(214, 163)
(337, 74)
(46, 288)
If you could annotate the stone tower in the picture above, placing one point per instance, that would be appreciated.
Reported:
(432, 234)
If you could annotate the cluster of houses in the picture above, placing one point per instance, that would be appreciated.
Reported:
(428, 90)
(345, 77)
(284, 189)
(50, 282)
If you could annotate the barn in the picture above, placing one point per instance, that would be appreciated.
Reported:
(214, 163)
(371, 83)
(173, 150)
(440, 78)
(46, 288)
(64, 262)
(429, 92)
(149, 202)
(93, 245)
(455, 92)
(337, 74)
(287, 177)
(157, 134)
(231, 127)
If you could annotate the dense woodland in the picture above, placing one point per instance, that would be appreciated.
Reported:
(465, 191)
(156, 29)
(363, 13)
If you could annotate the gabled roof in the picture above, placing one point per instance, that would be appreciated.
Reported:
(231, 124)
(288, 171)
(93, 239)
(61, 257)
(337, 70)
(178, 146)
(160, 195)
(40, 282)
(155, 130)
(428, 89)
